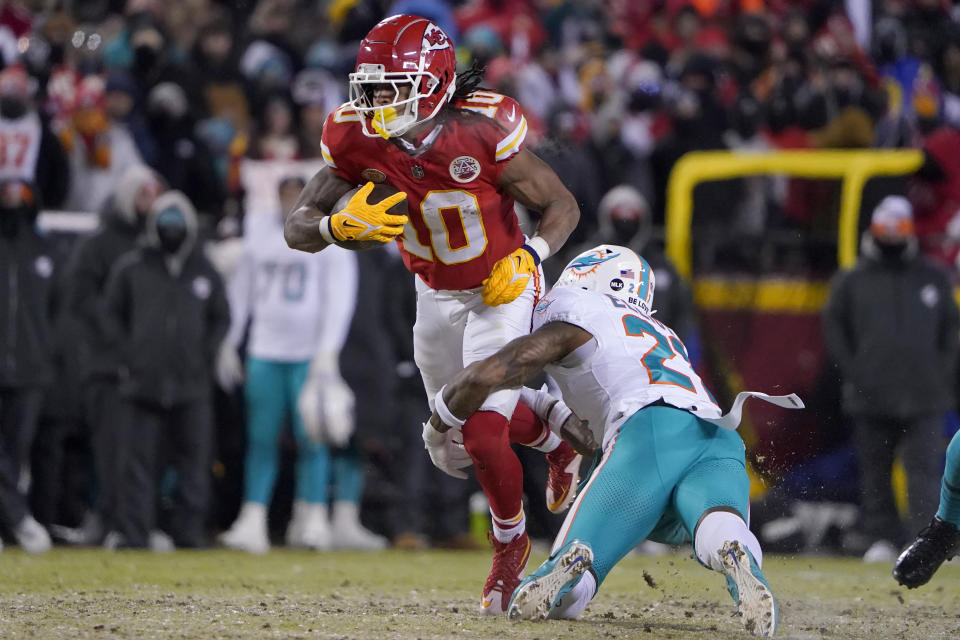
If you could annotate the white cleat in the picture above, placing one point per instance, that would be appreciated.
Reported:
(32, 536)
(749, 589)
(309, 528)
(159, 542)
(113, 540)
(249, 531)
(349, 534)
(357, 539)
(538, 594)
(245, 540)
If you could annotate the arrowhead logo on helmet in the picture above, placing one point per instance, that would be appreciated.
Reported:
(434, 38)
(405, 73)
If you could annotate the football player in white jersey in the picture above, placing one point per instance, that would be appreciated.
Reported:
(299, 307)
(672, 467)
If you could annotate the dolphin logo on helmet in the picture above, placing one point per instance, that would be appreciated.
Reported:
(588, 263)
(613, 270)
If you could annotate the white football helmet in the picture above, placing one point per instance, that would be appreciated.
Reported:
(614, 270)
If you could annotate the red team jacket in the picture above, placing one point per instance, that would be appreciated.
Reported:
(460, 222)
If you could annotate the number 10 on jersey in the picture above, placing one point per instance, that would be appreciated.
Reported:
(452, 218)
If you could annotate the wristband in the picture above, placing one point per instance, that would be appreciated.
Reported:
(431, 436)
(326, 231)
(556, 422)
(538, 248)
(444, 412)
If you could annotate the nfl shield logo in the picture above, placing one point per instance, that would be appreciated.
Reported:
(417, 171)
(464, 168)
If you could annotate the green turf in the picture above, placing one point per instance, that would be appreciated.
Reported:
(224, 594)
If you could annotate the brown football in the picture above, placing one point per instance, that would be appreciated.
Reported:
(380, 191)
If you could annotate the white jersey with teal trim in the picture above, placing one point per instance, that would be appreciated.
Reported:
(297, 303)
(632, 361)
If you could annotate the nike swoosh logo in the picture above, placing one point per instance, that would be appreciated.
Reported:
(519, 263)
(486, 603)
(350, 225)
(513, 113)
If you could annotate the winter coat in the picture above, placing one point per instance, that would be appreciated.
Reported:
(167, 315)
(891, 328)
(88, 270)
(26, 311)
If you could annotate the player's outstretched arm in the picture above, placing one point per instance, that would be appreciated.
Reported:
(301, 228)
(514, 364)
(532, 183)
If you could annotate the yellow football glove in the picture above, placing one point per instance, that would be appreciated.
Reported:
(363, 221)
(510, 276)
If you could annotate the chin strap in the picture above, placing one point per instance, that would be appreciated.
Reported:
(383, 117)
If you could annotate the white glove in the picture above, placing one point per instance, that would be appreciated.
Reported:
(561, 420)
(551, 410)
(326, 405)
(446, 452)
(228, 367)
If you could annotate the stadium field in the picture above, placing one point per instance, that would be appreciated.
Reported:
(433, 595)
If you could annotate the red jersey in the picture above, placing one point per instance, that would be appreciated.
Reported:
(460, 222)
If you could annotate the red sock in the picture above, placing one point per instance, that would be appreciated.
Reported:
(526, 427)
(495, 464)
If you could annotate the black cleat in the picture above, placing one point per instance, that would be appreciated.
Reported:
(938, 542)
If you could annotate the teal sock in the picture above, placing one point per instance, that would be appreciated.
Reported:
(313, 459)
(313, 467)
(259, 473)
(265, 414)
(950, 485)
(347, 476)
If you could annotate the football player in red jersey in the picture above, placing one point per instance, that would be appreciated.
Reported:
(457, 155)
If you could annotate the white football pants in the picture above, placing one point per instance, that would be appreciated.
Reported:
(455, 328)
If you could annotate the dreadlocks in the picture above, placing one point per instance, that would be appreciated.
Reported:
(469, 80)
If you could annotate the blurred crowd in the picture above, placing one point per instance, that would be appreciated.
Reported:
(614, 92)
(112, 106)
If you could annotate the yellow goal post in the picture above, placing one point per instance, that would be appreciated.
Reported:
(854, 168)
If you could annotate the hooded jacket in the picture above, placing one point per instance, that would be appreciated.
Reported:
(167, 315)
(90, 265)
(26, 310)
(891, 328)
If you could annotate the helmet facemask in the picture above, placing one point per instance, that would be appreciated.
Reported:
(403, 112)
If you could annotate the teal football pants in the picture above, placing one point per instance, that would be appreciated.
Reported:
(658, 475)
(271, 391)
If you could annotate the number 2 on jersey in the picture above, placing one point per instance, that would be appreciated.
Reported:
(456, 229)
(657, 358)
